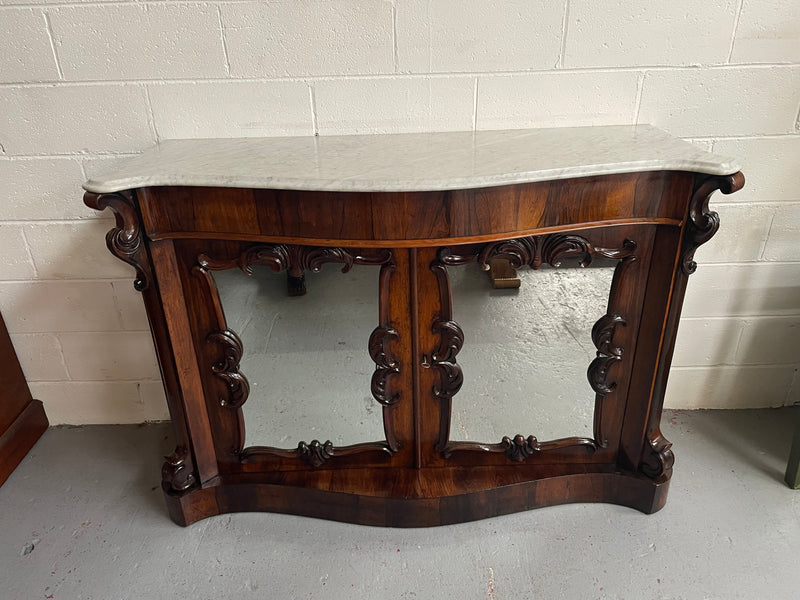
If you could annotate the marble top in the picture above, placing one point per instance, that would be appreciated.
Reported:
(410, 161)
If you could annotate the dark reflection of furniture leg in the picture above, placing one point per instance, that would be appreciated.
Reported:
(295, 286)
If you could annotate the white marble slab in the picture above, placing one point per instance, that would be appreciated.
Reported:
(410, 162)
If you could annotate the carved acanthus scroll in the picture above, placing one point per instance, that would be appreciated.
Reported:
(296, 259)
(703, 223)
(443, 356)
(315, 453)
(126, 240)
(551, 249)
(386, 364)
(227, 368)
(177, 471)
(658, 461)
(608, 353)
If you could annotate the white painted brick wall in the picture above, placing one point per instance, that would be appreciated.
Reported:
(290, 39)
(621, 33)
(556, 99)
(231, 109)
(85, 82)
(478, 36)
(137, 41)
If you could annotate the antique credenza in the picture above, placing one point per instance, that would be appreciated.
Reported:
(414, 207)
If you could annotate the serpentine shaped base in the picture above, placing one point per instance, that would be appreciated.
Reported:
(468, 498)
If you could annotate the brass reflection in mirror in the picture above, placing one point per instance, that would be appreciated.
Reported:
(306, 357)
(525, 353)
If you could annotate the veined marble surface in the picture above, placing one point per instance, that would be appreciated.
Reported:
(410, 162)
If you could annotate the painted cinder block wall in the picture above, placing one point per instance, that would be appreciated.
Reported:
(85, 83)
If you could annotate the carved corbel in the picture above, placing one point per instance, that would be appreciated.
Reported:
(703, 223)
(125, 240)
(177, 471)
(657, 463)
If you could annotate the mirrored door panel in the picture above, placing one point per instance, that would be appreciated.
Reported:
(306, 357)
(526, 352)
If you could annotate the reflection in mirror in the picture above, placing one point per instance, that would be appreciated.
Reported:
(526, 352)
(305, 357)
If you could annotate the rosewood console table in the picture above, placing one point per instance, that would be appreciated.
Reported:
(415, 207)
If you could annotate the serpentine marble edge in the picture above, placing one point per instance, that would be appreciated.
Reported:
(409, 162)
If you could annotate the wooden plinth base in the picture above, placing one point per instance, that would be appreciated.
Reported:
(21, 435)
(468, 496)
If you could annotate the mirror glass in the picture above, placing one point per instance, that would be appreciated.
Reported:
(526, 352)
(306, 356)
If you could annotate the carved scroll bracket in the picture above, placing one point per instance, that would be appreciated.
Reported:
(443, 356)
(125, 240)
(177, 470)
(451, 339)
(607, 353)
(386, 364)
(227, 368)
(658, 458)
(704, 223)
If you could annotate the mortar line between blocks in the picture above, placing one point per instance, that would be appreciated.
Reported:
(564, 28)
(756, 317)
(766, 237)
(742, 327)
(735, 29)
(421, 75)
(61, 355)
(75, 155)
(729, 366)
(639, 90)
(29, 253)
(224, 42)
(312, 98)
(475, 106)
(395, 55)
(151, 118)
(797, 119)
(50, 36)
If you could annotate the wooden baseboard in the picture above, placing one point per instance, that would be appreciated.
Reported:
(21, 435)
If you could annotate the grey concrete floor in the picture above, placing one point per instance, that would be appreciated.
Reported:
(82, 517)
